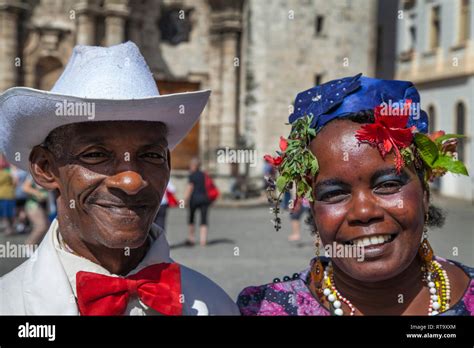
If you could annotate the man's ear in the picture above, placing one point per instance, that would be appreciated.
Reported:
(42, 164)
(169, 158)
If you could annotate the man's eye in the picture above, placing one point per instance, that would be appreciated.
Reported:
(156, 157)
(94, 155)
(153, 155)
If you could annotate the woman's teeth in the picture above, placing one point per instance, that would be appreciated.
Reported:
(373, 240)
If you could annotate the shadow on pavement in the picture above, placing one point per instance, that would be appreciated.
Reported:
(210, 242)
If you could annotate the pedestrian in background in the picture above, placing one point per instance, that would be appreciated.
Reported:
(196, 199)
(21, 221)
(301, 207)
(36, 208)
(7, 196)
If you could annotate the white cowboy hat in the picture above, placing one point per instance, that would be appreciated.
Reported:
(98, 84)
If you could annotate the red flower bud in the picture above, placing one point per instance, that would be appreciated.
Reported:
(436, 135)
(283, 144)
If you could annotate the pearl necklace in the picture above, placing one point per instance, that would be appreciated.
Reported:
(436, 277)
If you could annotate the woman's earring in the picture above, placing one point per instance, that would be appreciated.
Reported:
(425, 251)
(317, 269)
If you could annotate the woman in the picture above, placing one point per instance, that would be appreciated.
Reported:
(196, 198)
(364, 166)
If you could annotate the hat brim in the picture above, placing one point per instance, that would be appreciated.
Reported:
(28, 115)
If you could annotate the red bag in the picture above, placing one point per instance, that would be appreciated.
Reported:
(211, 189)
(172, 201)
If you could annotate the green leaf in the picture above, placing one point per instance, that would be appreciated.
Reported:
(426, 148)
(302, 187)
(407, 155)
(450, 164)
(281, 182)
(442, 138)
(314, 166)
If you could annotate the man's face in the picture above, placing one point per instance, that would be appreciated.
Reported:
(111, 180)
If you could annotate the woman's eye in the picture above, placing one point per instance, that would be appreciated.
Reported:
(388, 187)
(332, 196)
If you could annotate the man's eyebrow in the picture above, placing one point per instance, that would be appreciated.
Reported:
(98, 140)
(89, 139)
(157, 143)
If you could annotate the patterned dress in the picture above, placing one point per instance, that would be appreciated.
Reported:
(293, 297)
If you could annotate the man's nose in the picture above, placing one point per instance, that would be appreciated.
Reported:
(129, 182)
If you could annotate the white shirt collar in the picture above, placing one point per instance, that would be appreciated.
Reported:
(72, 263)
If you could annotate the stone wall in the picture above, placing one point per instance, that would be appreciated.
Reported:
(284, 54)
(254, 55)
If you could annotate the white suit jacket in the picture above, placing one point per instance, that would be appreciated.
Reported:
(40, 285)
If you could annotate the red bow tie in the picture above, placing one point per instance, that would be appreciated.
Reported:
(158, 286)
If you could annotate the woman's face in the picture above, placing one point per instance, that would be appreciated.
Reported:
(359, 195)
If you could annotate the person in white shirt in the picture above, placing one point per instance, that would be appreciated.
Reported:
(101, 140)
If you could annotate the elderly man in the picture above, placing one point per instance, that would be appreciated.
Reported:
(101, 139)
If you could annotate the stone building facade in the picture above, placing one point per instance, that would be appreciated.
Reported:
(436, 51)
(254, 55)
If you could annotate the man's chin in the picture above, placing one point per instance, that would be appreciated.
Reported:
(118, 235)
(124, 239)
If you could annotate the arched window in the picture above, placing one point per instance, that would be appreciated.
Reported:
(431, 119)
(461, 128)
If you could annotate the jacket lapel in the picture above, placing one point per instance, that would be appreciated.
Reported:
(46, 287)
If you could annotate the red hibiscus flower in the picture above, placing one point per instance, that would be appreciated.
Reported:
(274, 161)
(387, 133)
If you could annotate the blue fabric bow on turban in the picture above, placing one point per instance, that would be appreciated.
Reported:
(342, 97)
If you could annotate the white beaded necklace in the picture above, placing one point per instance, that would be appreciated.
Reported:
(336, 299)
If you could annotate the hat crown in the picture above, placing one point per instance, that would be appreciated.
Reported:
(116, 72)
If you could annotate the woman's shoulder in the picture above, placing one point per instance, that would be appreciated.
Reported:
(467, 269)
(465, 288)
(287, 296)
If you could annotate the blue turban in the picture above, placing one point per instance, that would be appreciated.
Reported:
(342, 97)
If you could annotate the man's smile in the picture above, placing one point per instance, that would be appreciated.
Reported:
(134, 211)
